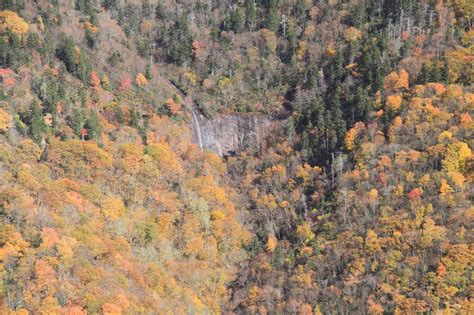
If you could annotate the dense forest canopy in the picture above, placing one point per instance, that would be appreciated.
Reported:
(359, 199)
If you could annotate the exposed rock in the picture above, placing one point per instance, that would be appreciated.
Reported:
(228, 134)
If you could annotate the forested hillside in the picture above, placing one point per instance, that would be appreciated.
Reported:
(358, 199)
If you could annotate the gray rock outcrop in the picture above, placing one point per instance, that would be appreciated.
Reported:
(228, 134)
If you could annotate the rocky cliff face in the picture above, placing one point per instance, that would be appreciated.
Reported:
(228, 134)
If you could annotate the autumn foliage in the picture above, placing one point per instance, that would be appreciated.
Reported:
(5, 120)
(356, 198)
(140, 80)
(402, 200)
(72, 246)
(11, 21)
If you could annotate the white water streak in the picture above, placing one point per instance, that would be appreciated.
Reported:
(198, 128)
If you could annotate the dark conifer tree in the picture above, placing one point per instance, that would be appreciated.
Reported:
(250, 14)
(446, 71)
(236, 20)
(93, 126)
(160, 11)
(362, 106)
(37, 125)
(77, 121)
(436, 73)
(292, 39)
(425, 74)
(337, 121)
(180, 46)
(273, 19)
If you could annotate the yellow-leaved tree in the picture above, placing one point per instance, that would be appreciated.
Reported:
(11, 21)
(456, 156)
(5, 120)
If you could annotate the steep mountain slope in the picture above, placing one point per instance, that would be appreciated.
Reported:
(395, 234)
(341, 183)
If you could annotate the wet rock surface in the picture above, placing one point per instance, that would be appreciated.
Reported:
(228, 134)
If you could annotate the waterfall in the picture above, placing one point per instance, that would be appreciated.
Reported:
(189, 102)
(198, 127)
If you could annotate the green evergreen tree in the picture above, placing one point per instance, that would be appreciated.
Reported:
(378, 78)
(291, 39)
(273, 19)
(362, 106)
(37, 125)
(446, 71)
(5, 52)
(87, 9)
(160, 11)
(135, 119)
(236, 20)
(48, 49)
(12, 52)
(66, 52)
(407, 6)
(34, 42)
(436, 73)
(338, 69)
(350, 52)
(336, 121)
(425, 74)
(300, 10)
(405, 49)
(90, 38)
(377, 70)
(12, 5)
(312, 125)
(93, 126)
(148, 74)
(250, 14)
(290, 130)
(366, 65)
(77, 121)
(359, 17)
(109, 4)
(292, 74)
(180, 46)
(119, 115)
(84, 68)
(317, 109)
(347, 100)
(147, 9)
(313, 76)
